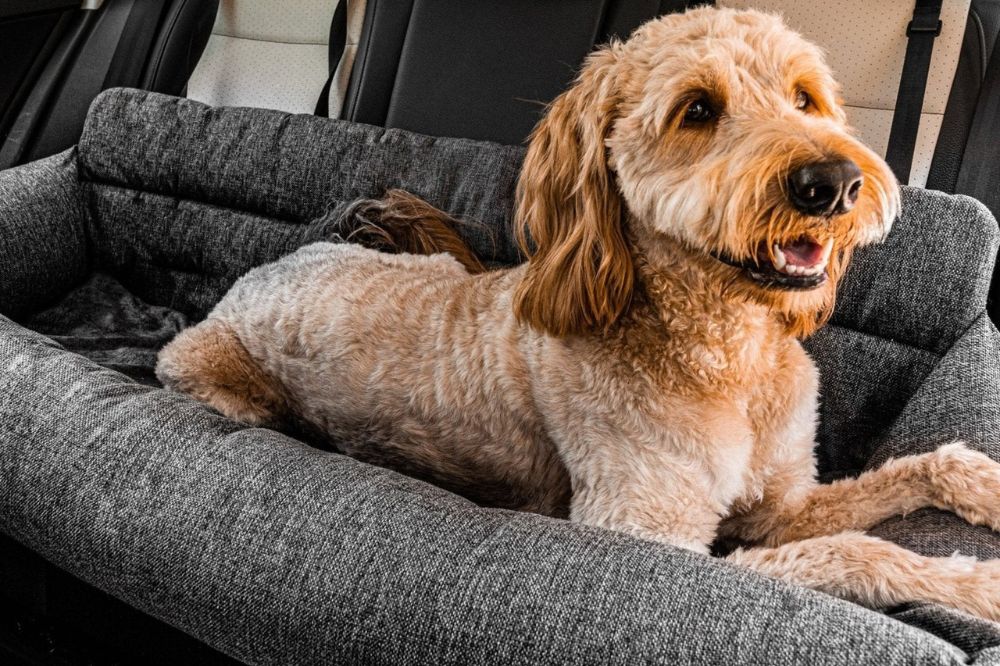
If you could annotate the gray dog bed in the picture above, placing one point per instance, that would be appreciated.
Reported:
(274, 551)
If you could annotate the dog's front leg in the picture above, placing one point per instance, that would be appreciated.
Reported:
(812, 531)
(880, 574)
(642, 495)
(953, 478)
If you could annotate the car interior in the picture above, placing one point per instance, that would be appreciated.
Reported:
(920, 83)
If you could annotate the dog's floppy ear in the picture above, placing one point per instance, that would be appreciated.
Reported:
(580, 275)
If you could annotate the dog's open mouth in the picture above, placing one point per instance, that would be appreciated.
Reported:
(799, 264)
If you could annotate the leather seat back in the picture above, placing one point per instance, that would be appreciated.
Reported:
(960, 156)
(273, 54)
(481, 70)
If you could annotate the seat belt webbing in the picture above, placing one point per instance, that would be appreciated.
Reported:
(338, 44)
(921, 32)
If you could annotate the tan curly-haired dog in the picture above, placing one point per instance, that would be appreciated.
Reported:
(692, 201)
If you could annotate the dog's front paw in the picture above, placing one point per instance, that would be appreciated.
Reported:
(966, 482)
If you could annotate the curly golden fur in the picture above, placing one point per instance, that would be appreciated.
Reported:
(641, 372)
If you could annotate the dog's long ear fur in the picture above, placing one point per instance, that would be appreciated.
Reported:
(580, 274)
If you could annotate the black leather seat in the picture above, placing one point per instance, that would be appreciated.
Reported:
(484, 70)
(481, 70)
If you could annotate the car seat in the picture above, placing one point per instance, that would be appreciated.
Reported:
(275, 54)
(481, 70)
(484, 70)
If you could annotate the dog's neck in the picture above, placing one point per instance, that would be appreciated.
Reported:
(687, 288)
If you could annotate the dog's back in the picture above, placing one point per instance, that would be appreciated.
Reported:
(320, 337)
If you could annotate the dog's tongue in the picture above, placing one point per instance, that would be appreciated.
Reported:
(803, 252)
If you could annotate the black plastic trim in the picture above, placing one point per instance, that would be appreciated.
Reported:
(47, 86)
(11, 107)
(10, 8)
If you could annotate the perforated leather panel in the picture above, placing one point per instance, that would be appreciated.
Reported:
(865, 41)
(274, 54)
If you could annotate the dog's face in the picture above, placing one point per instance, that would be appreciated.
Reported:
(716, 130)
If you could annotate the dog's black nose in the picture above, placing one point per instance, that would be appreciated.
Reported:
(825, 188)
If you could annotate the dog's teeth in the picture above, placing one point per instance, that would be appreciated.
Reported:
(779, 258)
(781, 262)
(827, 250)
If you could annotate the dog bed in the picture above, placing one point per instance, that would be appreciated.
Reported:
(273, 551)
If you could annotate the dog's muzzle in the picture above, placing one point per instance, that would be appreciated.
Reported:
(800, 264)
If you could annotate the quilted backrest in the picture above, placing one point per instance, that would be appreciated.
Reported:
(244, 186)
(293, 170)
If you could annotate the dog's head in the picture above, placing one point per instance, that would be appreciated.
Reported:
(719, 133)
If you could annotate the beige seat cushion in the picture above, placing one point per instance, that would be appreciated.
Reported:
(274, 54)
(865, 41)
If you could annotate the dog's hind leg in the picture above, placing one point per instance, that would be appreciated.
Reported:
(880, 574)
(209, 362)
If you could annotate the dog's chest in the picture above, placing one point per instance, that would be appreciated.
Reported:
(751, 394)
(783, 415)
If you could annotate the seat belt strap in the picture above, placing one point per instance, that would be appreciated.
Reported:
(921, 33)
(338, 44)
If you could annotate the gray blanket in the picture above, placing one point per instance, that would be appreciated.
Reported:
(276, 552)
(104, 322)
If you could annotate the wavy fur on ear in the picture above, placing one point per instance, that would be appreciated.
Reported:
(580, 274)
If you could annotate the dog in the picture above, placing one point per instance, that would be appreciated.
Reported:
(687, 206)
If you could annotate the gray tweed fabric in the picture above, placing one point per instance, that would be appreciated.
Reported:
(42, 233)
(276, 552)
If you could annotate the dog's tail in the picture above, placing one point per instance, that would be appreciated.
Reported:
(401, 222)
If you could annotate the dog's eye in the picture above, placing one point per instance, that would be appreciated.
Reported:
(699, 111)
(802, 100)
